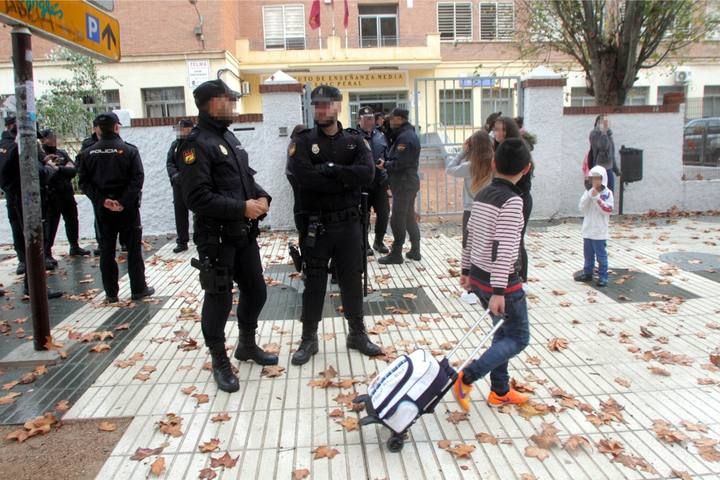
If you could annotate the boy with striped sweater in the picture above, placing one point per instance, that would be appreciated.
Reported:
(490, 268)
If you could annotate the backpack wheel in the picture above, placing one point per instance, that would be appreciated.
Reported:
(395, 443)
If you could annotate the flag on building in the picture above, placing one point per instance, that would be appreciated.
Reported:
(347, 15)
(315, 15)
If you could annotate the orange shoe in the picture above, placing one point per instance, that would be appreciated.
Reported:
(462, 392)
(513, 397)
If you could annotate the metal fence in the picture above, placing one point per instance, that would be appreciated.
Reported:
(447, 111)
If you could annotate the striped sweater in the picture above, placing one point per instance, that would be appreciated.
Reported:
(490, 257)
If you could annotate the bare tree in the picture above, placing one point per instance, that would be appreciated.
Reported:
(613, 40)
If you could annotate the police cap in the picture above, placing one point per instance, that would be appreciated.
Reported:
(211, 89)
(46, 133)
(366, 112)
(325, 93)
(400, 112)
(185, 123)
(107, 118)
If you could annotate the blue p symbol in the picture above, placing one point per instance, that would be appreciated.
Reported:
(93, 28)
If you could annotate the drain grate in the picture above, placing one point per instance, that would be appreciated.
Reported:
(626, 285)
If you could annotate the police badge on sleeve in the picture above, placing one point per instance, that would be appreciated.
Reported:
(189, 156)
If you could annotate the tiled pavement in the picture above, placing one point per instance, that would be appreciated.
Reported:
(275, 423)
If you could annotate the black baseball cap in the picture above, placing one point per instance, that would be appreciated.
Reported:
(10, 121)
(185, 123)
(400, 112)
(325, 93)
(211, 89)
(107, 118)
(46, 133)
(366, 112)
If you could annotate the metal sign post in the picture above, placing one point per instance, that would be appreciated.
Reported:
(30, 185)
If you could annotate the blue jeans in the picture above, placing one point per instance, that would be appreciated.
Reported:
(510, 339)
(593, 249)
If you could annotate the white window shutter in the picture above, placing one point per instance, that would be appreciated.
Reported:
(273, 27)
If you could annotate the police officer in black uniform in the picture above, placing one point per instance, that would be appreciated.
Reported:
(182, 224)
(402, 162)
(60, 197)
(111, 175)
(218, 186)
(89, 142)
(10, 183)
(378, 192)
(331, 166)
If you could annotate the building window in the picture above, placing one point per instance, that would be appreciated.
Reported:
(580, 98)
(497, 21)
(712, 12)
(378, 26)
(455, 21)
(662, 90)
(637, 96)
(284, 27)
(164, 102)
(711, 101)
(456, 107)
(497, 99)
(112, 102)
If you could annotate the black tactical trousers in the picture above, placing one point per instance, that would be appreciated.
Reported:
(14, 210)
(341, 242)
(245, 268)
(61, 204)
(403, 219)
(182, 222)
(379, 201)
(126, 223)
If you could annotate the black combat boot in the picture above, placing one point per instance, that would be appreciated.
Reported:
(394, 258)
(308, 344)
(414, 253)
(247, 349)
(222, 370)
(358, 339)
(380, 246)
(77, 251)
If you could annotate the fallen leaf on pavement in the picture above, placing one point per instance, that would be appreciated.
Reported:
(9, 398)
(170, 425)
(681, 474)
(483, 437)
(547, 438)
(221, 417)
(272, 371)
(623, 381)
(462, 450)
(122, 326)
(143, 453)
(201, 398)
(536, 452)
(444, 444)
(62, 406)
(557, 344)
(158, 466)
(457, 417)
(659, 371)
(210, 446)
(612, 447)
(273, 348)
(694, 427)
(226, 461)
(350, 424)
(336, 413)
(207, 474)
(188, 390)
(576, 441)
(532, 360)
(324, 452)
(300, 474)
(107, 426)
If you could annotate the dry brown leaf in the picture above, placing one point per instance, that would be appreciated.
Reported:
(226, 461)
(483, 437)
(715, 358)
(210, 446)
(9, 398)
(158, 466)
(462, 450)
(533, 360)
(667, 433)
(574, 442)
(100, 347)
(336, 413)
(122, 326)
(62, 406)
(559, 293)
(528, 476)
(681, 474)
(188, 390)
(694, 427)
(623, 381)
(10, 385)
(325, 452)
(201, 398)
(659, 371)
(143, 453)
(207, 473)
(536, 452)
(444, 444)
(457, 417)
(220, 417)
(107, 426)
(273, 348)
(409, 296)
(350, 424)
(170, 425)
(547, 438)
(300, 473)
(612, 447)
(557, 344)
(272, 371)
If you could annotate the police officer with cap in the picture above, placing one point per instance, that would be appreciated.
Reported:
(377, 193)
(111, 175)
(182, 225)
(331, 166)
(61, 197)
(402, 162)
(218, 186)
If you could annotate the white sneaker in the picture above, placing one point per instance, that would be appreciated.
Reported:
(469, 298)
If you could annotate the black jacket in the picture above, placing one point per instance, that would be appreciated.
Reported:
(61, 182)
(171, 163)
(112, 169)
(215, 175)
(10, 166)
(379, 146)
(403, 160)
(330, 171)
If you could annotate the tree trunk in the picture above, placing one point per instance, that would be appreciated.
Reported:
(608, 80)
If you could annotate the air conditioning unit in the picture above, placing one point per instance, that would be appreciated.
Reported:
(245, 88)
(683, 76)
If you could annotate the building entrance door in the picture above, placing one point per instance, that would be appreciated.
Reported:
(378, 101)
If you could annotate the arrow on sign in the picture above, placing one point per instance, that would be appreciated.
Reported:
(107, 32)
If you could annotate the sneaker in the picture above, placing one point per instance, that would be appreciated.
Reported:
(513, 397)
(582, 277)
(462, 392)
(148, 292)
(602, 282)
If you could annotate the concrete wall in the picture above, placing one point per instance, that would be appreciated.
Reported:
(563, 142)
